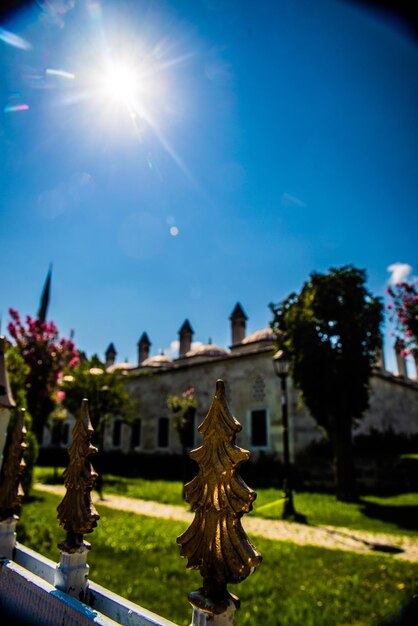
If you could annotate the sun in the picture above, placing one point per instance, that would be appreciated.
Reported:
(120, 83)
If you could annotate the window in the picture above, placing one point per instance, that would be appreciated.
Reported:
(259, 434)
(116, 435)
(56, 433)
(65, 434)
(136, 433)
(259, 390)
(162, 435)
(188, 435)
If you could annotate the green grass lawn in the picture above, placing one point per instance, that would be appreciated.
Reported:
(394, 514)
(138, 558)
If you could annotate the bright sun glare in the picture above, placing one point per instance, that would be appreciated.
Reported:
(120, 83)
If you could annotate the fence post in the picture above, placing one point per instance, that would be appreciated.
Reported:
(11, 491)
(6, 398)
(215, 543)
(76, 513)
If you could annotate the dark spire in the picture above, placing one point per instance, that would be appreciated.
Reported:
(186, 328)
(186, 336)
(110, 355)
(238, 313)
(238, 324)
(144, 345)
(43, 307)
(144, 340)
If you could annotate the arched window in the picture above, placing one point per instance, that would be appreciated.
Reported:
(136, 434)
(259, 428)
(259, 389)
(163, 432)
(116, 434)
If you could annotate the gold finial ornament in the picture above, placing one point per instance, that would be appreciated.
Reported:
(76, 513)
(11, 491)
(215, 543)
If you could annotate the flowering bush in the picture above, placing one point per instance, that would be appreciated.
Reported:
(46, 354)
(404, 313)
(184, 408)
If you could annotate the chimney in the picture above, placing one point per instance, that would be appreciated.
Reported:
(110, 355)
(400, 359)
(238, 324)
(144, 345)
(186, 336)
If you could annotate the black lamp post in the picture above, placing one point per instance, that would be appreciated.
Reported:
(281, 367)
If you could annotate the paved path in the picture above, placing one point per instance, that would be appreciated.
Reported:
(332, 537)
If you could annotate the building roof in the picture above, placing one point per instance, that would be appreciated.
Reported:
(160, 360)
(207, 350)
(120, 366)
(264, 334)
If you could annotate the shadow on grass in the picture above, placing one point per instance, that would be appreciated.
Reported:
(32, 498)
(407, 616)
(405, 516)
(375, 547)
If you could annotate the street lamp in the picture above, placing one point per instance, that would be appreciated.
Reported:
(281, 367)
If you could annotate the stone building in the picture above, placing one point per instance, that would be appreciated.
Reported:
(253, 392)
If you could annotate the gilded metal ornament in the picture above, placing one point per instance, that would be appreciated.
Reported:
(216, 543)
(11, 491)
(76, 513)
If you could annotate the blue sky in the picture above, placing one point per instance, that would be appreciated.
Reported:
(259, 142)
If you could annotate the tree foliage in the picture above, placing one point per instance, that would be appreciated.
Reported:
(183, 407)
(404, 312)
(330, 332)
(105, 391)
(17, 372)
(46, 355)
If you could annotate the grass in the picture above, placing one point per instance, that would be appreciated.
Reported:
(393, 515)
(137, 557)
(396, 515)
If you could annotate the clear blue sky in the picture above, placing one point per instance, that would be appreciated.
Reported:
(260, 141)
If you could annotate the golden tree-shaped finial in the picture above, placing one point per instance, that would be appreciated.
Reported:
(216, 543)
(11, 491)
(76, 513)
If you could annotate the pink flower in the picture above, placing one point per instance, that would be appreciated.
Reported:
(60, 396)
(74, 362)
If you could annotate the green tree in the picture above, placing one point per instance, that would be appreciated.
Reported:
(105, 391)
(330, 332)
(184, 409)
(18, 371)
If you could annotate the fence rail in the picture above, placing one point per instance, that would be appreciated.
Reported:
(38, 591)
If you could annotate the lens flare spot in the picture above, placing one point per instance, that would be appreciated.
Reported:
(14, 108)
(174, 231)
(14, 40)
(60, 73)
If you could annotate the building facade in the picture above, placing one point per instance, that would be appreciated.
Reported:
(253, 392)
